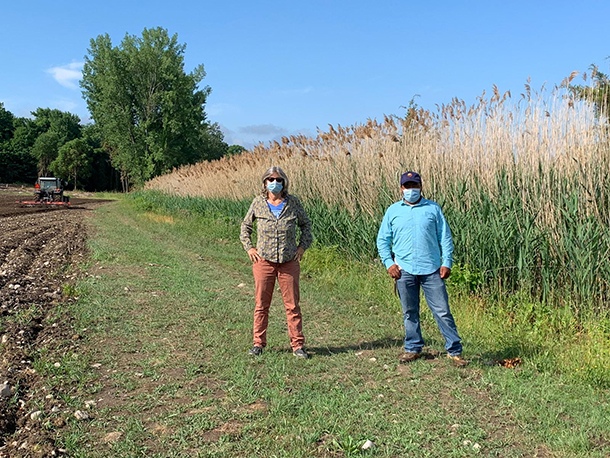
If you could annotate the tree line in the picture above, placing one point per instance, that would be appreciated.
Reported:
(148, 117)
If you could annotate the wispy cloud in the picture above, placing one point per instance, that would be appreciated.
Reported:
(263, 129)
(250, 136)
(67, 75)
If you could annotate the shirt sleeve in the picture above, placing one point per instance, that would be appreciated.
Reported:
(384, 241)
(304, 224)
(245, 235)
(444, 239)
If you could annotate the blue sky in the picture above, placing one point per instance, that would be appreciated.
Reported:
(283, 67)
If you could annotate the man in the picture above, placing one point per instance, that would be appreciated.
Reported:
(415, 245)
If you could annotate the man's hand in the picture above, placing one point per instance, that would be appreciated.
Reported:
(254, 256)
(445, 272)
(394, 272)
(299, 255)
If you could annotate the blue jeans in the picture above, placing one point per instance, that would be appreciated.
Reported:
(438, 301)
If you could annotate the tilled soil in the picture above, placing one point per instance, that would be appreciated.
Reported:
(37, 247)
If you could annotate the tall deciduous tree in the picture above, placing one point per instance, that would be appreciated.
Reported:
(150, 111)
(73, 161)
(45, 149)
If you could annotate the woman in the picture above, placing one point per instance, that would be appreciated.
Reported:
(276, 255)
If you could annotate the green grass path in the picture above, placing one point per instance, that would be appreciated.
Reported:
(167, 307)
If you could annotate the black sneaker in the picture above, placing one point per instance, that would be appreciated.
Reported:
(300, 353)
(255, 351)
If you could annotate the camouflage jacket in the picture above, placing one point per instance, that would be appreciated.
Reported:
(276, 237)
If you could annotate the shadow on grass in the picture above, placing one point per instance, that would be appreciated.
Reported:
(493, 357)
(387, 342)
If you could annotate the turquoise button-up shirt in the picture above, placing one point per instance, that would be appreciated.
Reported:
(418, 236)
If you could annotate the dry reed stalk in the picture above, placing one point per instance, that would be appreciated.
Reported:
(345, 166)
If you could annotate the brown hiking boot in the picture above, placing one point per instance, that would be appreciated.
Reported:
(408, 357)
(458, 360)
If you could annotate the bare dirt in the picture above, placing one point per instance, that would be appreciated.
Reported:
(38, 247)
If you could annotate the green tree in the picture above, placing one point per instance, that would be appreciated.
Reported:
(150, 111)
(24, 135)
(65, 124)
(16, 163)
(45, 149)
(6, 125)
(234, 150)
(103, 176)
(211, 144)
(73, 161)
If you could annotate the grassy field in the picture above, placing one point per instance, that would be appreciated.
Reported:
(166, 311)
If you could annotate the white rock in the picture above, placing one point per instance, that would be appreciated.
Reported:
(36, 415)
(368, 445)
(55, 409)
(57, 364)
(372, 360)
(80, 415)
(5, 390)
(5, 338)
(90, 404)
(241, 285)
(476, 446)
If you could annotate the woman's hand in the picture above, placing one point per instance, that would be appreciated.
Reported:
(299, 255)
(254, 256)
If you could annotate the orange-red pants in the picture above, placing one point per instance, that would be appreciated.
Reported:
(287, 274)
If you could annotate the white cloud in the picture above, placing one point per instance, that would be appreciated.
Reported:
(67, 75)
(250, 136)
(263, 129)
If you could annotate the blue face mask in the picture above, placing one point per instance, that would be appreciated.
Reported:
(275, 187)
(411, 195)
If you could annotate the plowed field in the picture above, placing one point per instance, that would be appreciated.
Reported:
(37, 247)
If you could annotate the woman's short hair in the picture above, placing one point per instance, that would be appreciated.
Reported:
(270, 171)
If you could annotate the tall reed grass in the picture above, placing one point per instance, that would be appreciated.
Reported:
(524, 183)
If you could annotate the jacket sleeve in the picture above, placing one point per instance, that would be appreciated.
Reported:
(384, 241)
(245, 235)
(304, 224)
(445, 240)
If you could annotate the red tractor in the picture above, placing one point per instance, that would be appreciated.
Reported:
(48, 191)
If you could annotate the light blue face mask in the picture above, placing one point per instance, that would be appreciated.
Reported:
(275, 187)
(411, 195)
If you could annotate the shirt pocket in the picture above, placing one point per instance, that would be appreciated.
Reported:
(427, 222)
